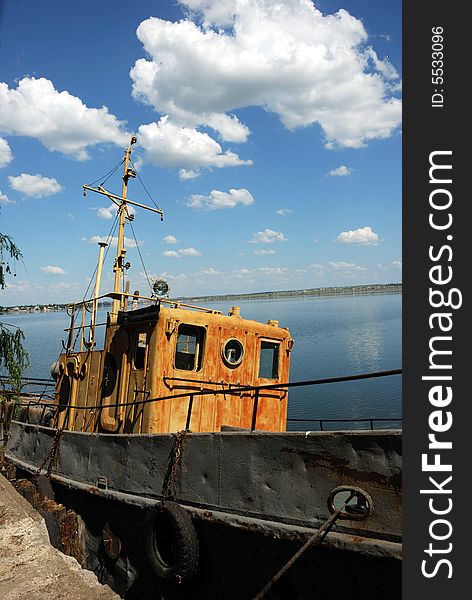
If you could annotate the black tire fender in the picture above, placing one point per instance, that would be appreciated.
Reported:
(170, 541)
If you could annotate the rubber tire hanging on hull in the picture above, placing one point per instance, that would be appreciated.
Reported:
(170, 541)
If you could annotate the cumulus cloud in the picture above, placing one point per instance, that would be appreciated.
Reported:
(268, 236)
(50, 270)
(95, 239)
(35, 186)
(286, 57)
(263, 252)
(4, 199)
(346, 266)
(59, 120)
(169, 145)
(363, 236)
(397, 264)
(182, 252)
(189, 252)
(210, 271)
(341, 171)
(107, 213)
(316, 269)
(170, 239)
(188, 174)
(5, 153)
(283, 212)
(217, 199)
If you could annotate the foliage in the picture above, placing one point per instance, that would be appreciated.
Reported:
(7, 245)
(13, 357)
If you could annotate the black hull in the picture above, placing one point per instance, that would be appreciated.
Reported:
(254, 498)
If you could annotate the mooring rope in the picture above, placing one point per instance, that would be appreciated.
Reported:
(314, 541)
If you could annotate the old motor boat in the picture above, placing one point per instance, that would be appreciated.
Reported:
(177, 426)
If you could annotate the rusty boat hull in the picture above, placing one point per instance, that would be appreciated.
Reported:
(276, 483)
(254, 498)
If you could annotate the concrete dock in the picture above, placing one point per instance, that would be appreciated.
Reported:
(29, 566)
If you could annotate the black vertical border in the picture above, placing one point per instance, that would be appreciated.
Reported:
(427, 129)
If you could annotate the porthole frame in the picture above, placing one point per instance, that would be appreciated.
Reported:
(224, 346)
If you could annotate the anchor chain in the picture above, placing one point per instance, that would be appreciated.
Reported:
(51, 457)
(169, 486)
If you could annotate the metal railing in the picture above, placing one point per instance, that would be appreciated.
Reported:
(238, 390)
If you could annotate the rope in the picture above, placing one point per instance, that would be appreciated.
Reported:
(141, 257)
(314, 540)
(142, 183)
(107, 175)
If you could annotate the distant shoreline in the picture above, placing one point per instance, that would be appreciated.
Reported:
(351, 290)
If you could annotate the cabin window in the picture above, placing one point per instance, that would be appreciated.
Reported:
(233, 352)
(269, 360)
(189, 350)
(140, 350)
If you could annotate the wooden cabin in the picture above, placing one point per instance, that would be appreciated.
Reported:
(172, 352)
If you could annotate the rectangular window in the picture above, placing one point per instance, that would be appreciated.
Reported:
(140, 350)
(269, 363)
(189, 349)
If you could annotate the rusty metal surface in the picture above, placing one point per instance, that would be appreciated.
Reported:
(272, 481)
(160, 375)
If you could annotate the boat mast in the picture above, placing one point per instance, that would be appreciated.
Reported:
(118, 266)
(122, 203)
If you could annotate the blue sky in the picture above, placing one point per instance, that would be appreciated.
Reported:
(268, 132)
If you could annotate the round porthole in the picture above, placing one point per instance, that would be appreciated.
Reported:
(232, 352)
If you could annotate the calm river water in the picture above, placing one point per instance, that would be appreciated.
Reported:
(336, 335)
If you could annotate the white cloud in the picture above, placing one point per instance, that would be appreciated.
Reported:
(5, 153)
(210, 271)
(362, 237)
(263, 252)
(286, 57)
(269, 272)
(217, 199)
(383, 66)
(58, 120)
(345, 266)
(182, 252)
(107, 213)
(316, 269)
(189, 252)
(4, 199)
(35, 186)
(283, 211)
(169, 145)
(188, 174)
(170, 239)
(397, 264)
(341, 171)
(95, 239)
(49, 270)
(268, 236)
